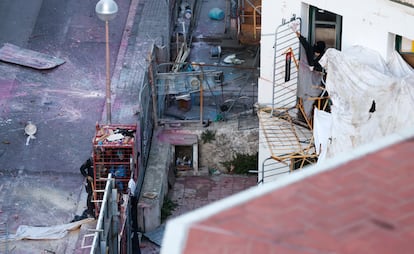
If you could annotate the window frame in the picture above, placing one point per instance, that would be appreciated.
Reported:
(313, 22)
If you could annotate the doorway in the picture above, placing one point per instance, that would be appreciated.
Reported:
(183, 157)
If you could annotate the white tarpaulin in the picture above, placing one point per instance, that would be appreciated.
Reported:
(322, 122)
(47, 233)
(371, 98)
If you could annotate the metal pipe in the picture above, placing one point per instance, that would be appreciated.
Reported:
(207, 65)
(201, 97)
(108, 79)
(255, 10)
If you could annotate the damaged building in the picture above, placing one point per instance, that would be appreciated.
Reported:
(308, 115)
(353, 122)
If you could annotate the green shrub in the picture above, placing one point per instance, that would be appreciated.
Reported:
(241, 163)
(167, 208)
(207, 136)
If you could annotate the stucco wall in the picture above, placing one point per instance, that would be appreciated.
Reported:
(228, 141)
(231, 137)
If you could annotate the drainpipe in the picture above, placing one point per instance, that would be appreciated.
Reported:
(201, 94)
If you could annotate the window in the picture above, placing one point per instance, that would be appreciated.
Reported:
(405, 47)
(325, 26)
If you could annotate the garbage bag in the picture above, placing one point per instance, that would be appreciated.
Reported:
(216, 14)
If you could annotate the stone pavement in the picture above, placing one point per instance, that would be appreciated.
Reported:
(192, 192)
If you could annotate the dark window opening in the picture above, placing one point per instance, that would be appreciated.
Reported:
(325, 26)
(183, 157)
(405, 47)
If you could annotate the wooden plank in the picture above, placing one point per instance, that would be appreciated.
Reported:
(14, 54)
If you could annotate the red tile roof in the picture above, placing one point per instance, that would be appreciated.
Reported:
(365, 205)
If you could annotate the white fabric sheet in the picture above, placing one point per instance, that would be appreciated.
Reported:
(47, 233)
(357, 77)
(322, 122)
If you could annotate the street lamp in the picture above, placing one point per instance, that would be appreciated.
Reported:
(106, 11)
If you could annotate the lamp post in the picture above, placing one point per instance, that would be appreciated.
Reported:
(106, 11)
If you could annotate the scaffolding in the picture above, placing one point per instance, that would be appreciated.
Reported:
(115, 151)
(249, 22)
(291, 145)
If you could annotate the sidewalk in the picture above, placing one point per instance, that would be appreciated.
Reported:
(192, 192)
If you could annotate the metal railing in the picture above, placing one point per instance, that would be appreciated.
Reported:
(4, 238)
(271, 170)
(105, 236)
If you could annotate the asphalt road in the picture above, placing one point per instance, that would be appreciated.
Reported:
(17, 19)
(64, 103)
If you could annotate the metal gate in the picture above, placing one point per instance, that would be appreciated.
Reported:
(285, 71)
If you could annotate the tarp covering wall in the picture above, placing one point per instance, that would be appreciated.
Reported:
(371, 99)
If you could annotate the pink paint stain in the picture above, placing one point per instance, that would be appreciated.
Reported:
(19, 94)
(177, 137)
(116, 105)
(6, 88)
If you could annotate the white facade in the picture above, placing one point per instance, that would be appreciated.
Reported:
(370, 23)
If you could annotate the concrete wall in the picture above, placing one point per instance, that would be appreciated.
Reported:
(155, 187)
